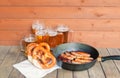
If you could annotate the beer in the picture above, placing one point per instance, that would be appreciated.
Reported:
(37, 26)
(27, 40)
(60, 38)
(65, 30)
(54, 38)
(41, 36)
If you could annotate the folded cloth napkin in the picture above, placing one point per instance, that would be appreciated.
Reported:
(30, 71)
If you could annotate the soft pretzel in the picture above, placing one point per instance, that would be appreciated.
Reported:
(40, 55)
(43, 58)
(45, 46)
(29, 50)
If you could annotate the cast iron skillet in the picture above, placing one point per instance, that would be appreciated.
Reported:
(79, 47)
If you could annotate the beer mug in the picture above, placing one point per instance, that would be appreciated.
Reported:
(63, 29)
(54, 38)
(27, 40)
(41, 36)
(36, 26)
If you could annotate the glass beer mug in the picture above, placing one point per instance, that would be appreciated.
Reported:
(27, 40)
(36, 26)
(41, 36)
(54, 38)
(65, 30)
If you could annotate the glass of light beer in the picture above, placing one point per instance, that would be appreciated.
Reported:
(41, 36)
(36, 26)
(27, 40)
(63, 29)
(54, 38)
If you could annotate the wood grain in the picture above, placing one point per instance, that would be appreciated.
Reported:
(107, 68)
(100, 69)
(15, 73)
(60, 3)
(59, 12)
(6, 66)
(94, 38)
(80, 74)
(96, 71)
(73, 24)
(64, 73)
(3, 52)
(115, 52)
(101, 19)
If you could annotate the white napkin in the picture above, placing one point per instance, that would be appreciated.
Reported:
(30, 71)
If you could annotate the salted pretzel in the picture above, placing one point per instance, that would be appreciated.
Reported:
(40, 55)
(45, 46)
(29, 50)
(30, 47)
(43, 58)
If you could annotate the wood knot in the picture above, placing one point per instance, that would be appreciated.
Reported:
(98, 14)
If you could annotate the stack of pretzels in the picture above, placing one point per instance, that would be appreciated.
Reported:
(40, 55)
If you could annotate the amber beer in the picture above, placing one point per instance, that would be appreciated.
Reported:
(55, 38)
(41, 36)
(63, 29)
(27, 40)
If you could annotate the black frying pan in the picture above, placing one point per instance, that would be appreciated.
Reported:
(79, 47)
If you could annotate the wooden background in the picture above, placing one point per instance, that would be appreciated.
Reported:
(95, 22)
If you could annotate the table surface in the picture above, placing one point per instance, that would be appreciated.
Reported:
(10, 55)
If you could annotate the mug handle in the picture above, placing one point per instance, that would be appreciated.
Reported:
(22, 45)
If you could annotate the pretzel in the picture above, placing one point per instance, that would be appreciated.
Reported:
(45, 45)
(40, 55)
(29, 50)
(43, 58)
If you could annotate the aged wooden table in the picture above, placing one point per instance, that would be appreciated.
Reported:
(10, 55)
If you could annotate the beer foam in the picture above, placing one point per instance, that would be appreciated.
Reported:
(29, 39)
(42, 33)
(62, 29)
(52, 33)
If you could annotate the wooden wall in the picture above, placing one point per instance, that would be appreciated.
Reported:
(95, 22)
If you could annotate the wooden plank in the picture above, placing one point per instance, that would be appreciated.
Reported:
(95, 38)
(15, 73)
(114, 51)
(3, 52)
(77, 35)
(91, 2)
(0, 61)
(28, 2)
(109, 67)
(96, 71)
(51, 75)
(59, 12)
(60, 3)
(80, 74)
(10, 59)
(73, 24)
(13, 35)
(64, 73)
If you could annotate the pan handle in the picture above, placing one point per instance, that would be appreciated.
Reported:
(113, 57)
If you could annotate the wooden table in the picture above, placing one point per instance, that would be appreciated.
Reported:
(10, 55)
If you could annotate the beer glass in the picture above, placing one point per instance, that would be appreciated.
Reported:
(54, 38)
(63, 29)
(27, 40)
(41, 36)
(36, 26)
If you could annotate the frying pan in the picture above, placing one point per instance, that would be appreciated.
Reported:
(79, 47)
